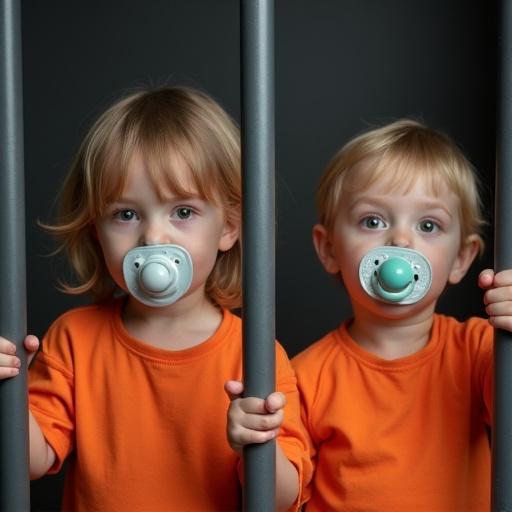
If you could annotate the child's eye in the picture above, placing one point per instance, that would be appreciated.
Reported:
(373, 222)
(428, 226)
(183, 212)
(126, 215)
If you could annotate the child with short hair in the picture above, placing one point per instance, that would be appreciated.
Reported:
(398, 399)
(130, 389)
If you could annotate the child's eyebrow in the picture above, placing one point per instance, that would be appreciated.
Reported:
(435, 205)
(383, 202)
(125, 199)
(188, 196)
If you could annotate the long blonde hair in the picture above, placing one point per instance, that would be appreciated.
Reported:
(157, 123)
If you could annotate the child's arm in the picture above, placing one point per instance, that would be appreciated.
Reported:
(254, 420)
(42, 455)
(497, 297)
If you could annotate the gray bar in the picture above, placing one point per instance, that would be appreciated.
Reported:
(502, 426)
(258, 164)
(14, 451)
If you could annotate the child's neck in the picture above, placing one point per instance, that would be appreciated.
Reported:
(184, 324)
(391, 338)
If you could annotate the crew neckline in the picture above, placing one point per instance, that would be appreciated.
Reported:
(350, 346)
(143, 349)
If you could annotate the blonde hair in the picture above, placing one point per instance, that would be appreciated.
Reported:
(403, 151)
(157, 123)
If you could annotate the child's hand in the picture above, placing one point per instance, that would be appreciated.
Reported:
(252, 420)
(498, 297)
(9, 362)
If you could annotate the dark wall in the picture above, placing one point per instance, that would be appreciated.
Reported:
(340, 65)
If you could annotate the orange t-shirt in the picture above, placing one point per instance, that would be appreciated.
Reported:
(403, 435)
(146, 427)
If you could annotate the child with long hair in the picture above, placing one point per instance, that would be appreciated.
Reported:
(131, 389)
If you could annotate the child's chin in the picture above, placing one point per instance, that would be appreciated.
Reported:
(396, 311)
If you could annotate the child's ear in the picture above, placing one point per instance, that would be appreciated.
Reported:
(230, 233)
(467, 253)
(324, 249)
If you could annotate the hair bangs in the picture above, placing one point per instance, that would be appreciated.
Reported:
(178, 156)
(397, 155)
(399, 166)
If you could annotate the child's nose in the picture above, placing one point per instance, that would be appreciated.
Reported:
(400, 237)
(155, 234)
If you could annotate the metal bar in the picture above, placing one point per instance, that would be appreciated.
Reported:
(502, 424)
(258, 164)
(14, 446)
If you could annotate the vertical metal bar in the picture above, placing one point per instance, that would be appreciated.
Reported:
(258, 164)
(14, 454)
(502, 425)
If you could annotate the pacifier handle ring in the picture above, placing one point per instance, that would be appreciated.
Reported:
(391, 296)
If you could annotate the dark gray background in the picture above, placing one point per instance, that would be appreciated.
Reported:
(340, 66)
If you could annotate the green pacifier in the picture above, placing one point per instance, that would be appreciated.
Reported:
(394, 279)
(395, 275)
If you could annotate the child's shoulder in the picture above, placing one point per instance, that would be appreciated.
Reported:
(74, 333)
(474, 330)
(319, 351)
(85, 318)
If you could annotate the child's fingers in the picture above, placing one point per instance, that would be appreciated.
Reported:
(499, 308)
(252, 405)
(234, 389)
(263, 422)
(501, 322)
(486, 278)
(251, 413)
(31, 343)
(489, 279)
(8, 371)
(9, 363)
(249, 419)
(275, 401)
(7, 347)
(243, 436)
(496, 295)
(503, 278)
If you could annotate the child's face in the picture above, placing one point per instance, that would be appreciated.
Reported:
(382, 215)
(139, 217)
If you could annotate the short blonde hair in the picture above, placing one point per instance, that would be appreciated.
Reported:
(158, 123)
(403, 151)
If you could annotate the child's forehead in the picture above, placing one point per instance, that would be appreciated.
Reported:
(395, 177)
(168, 176)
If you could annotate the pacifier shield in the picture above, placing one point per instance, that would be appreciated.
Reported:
(395, 275)
(158, 275)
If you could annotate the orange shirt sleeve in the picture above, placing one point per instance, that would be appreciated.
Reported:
(293, 435)
(480, 336)
(51, 383)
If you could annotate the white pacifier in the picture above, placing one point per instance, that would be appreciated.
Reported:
(395, 275)
(158, 275)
